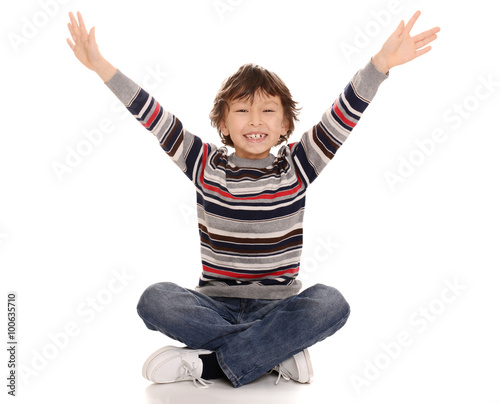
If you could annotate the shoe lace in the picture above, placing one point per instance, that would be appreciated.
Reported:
(189, 370)
(282, 373)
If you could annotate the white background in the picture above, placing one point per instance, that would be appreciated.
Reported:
(124, 208)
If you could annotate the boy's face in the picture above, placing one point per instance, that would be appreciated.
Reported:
(254, 126)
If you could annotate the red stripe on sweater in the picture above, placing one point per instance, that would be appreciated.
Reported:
(152, 117)
(249, 276)
(342, 116)
(228, 195)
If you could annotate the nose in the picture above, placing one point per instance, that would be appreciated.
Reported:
(255, 118)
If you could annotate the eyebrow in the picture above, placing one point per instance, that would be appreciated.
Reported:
(236, 102)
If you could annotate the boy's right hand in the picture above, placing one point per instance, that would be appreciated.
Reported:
(85, 48)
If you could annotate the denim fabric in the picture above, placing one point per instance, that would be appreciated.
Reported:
(249, 336)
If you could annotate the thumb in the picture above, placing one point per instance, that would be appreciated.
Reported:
(93, 50)
(92, 36)
(92, 42)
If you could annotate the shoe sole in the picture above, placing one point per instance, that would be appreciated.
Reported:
(307, 358)
(309, 366)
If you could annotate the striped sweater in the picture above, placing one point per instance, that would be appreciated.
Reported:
(250, 212)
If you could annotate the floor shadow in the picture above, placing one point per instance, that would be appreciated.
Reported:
(261, 391)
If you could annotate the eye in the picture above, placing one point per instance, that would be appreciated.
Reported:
(268, 110)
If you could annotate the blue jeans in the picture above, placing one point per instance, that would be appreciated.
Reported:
(250, 336)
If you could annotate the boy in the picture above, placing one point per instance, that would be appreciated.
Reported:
(247, 316)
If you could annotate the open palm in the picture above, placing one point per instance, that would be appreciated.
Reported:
(84, 44)
(401, 48)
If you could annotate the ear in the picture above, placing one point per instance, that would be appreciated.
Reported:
(223, 128)
(285, 126)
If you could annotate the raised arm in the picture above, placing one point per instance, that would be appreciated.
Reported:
(319, 145)
(183, 147)
(85, 48)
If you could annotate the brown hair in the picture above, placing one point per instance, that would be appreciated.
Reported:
(248, 80)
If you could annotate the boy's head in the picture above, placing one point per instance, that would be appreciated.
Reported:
(253, 111)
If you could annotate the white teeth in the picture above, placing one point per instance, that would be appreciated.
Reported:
(255, 136)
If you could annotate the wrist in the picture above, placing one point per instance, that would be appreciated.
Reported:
(105, 70)
(381, 63)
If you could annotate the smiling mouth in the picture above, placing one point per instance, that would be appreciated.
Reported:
(255, 137)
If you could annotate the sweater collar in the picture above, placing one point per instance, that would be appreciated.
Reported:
(251, 163)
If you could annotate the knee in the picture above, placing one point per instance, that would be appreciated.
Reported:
(332, 302)
(153, 296)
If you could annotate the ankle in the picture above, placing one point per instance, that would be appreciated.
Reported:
(211, 368)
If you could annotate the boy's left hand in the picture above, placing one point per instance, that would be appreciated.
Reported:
(400, 47)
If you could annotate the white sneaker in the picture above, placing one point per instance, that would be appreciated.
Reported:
(298, 368)
(172, 364)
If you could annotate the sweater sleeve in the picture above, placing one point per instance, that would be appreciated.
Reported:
(184, 148)
(318, 146)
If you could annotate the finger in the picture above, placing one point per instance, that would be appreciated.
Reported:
(426, 41)
(73, 20)
(75, 29)
(429, 33)
(412, 22)
(92, 36)
(399, 30)
(83, 29)
(72, 31)
(422, 51)
(71, 45)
